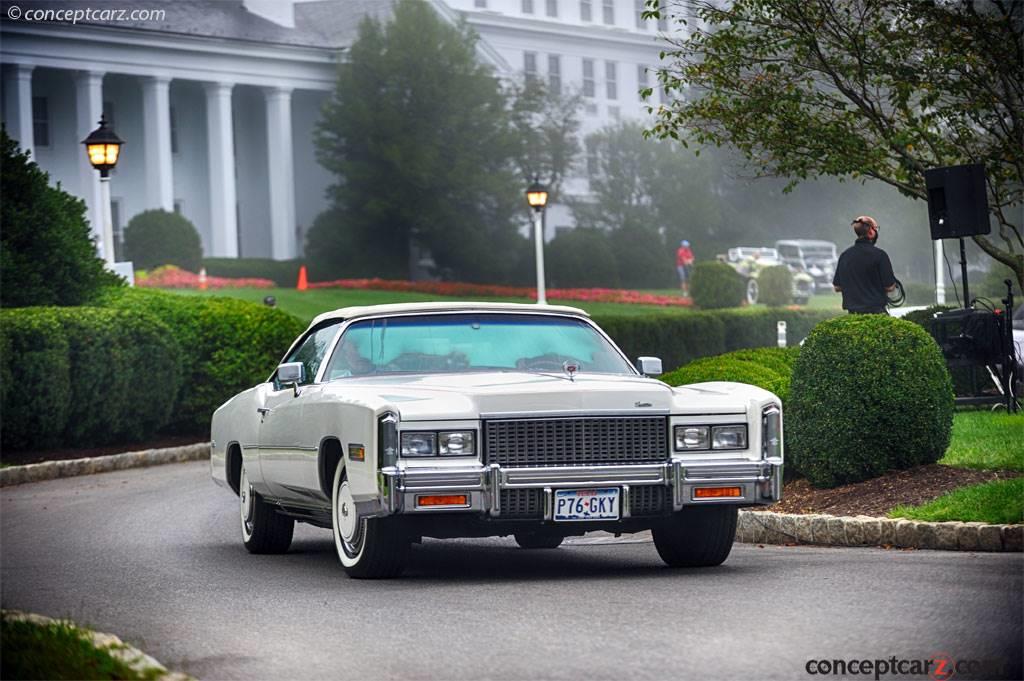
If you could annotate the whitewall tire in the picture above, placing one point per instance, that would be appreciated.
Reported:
(264, 530)
(368, 548)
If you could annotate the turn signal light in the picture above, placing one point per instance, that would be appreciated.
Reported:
(443, 500)
(716, 492)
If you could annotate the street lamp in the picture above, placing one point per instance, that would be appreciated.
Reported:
(537, 197)
(103, 147)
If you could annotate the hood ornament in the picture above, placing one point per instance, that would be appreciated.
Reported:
(571, 368)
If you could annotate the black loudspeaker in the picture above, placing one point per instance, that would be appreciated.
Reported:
(957, 201)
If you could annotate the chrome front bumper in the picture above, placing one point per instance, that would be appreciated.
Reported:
(759, 481)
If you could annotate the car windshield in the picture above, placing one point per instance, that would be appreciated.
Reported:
(457, 343)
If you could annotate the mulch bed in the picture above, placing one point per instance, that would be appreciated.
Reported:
(878, 496)
(38, 456)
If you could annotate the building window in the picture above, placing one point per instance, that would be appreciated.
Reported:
(555, 73)
(530, 64)
(641, 23)
(41, 121)
(585, 11)
(588, 78)
(641, 80)
(480, 4)
(591, 158)
(527, 6)
(174, 131)
(608, 12)
(552, 7)
(611, 80)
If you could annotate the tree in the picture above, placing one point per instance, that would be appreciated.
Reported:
(418, 134)
(647, 195)
(858, 89)
(545, 124)
(47, 255)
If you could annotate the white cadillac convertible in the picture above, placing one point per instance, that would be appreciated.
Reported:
(390, 423)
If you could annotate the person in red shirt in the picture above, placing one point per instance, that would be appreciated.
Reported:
(684, 260)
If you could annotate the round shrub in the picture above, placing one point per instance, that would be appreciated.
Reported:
(37, 383)
(779, 360)
(158, 237)
(47, 255)
(869, 394)
(775, 285)
(724, 368)
(715, 285)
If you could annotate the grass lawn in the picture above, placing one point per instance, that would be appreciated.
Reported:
(991, 502)
(307, 304)
(986, 440)
(56, 651)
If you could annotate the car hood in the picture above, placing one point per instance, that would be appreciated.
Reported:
(470, 395)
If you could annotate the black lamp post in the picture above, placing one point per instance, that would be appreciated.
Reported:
(104, 147)
(537, 197)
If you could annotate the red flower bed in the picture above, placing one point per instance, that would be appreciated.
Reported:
(170, 276)
(461, 289)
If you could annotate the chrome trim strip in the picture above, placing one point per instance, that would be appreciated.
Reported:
(641, 474)
(494, 480)
(549, 504)
(624, 502)
(563, 413)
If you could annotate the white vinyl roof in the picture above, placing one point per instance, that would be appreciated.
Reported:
(405, 308)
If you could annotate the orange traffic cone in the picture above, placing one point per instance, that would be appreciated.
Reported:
(303, 284)
(202, 278)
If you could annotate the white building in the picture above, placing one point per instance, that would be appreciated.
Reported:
(218, 101)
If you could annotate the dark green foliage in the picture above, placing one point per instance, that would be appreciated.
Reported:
(775, 285)
(715, 285)
(228, 345)
(726, 368)
(753, 328)
(642, 260)
(284, 273)
(418, 134)
(85, 376)
(924, 317)
(581, 258)
(56, 651)
(37, 390)
(869, 394)
(675, 339)
(158, 237)
(47, 256)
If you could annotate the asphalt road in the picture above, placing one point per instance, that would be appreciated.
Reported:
(154, 556)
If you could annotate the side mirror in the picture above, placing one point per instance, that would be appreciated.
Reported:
(291, 373)
(649, 366)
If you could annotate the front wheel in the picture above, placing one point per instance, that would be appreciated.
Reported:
(752, 291)
(697, 536)
(264, 530)
(369, 548)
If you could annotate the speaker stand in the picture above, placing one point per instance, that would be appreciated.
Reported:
(963, 274)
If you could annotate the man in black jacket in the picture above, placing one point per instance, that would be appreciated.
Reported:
(864, 274)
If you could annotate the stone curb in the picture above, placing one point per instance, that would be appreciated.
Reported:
(139, 661)
(761, 527)
(49, 470)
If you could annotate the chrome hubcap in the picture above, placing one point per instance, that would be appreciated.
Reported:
(245, 495)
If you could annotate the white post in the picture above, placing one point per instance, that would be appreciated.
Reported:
(18, 86)
(107, 222)
(220, 136)
(538, 231)
(780, 328)
(89, 105)
(156, 113)
(940, 279)
(281, 175)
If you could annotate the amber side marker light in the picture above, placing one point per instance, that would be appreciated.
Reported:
(716, 492)
(443, 500)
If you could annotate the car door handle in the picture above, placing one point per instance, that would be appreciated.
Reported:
(263, 411)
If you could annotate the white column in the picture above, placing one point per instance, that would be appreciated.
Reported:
(220, 135)
(18, 116)
(940, 277)
(89, 108)
(156, 113)
(281, 173)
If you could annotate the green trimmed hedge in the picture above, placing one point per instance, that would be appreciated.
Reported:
(678, 339)
(728, 368)
(775, 285)
(715, 285)
(284, 273)
(869, 393)
(85, 376)
(228, 345)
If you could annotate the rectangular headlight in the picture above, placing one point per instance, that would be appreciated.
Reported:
(457, 443)
(729, 437)
(692, 438)
(419, 443)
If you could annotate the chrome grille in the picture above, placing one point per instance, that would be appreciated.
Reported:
(576, 441)
(647, 500)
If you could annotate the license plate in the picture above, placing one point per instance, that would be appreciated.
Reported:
(587, 504)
